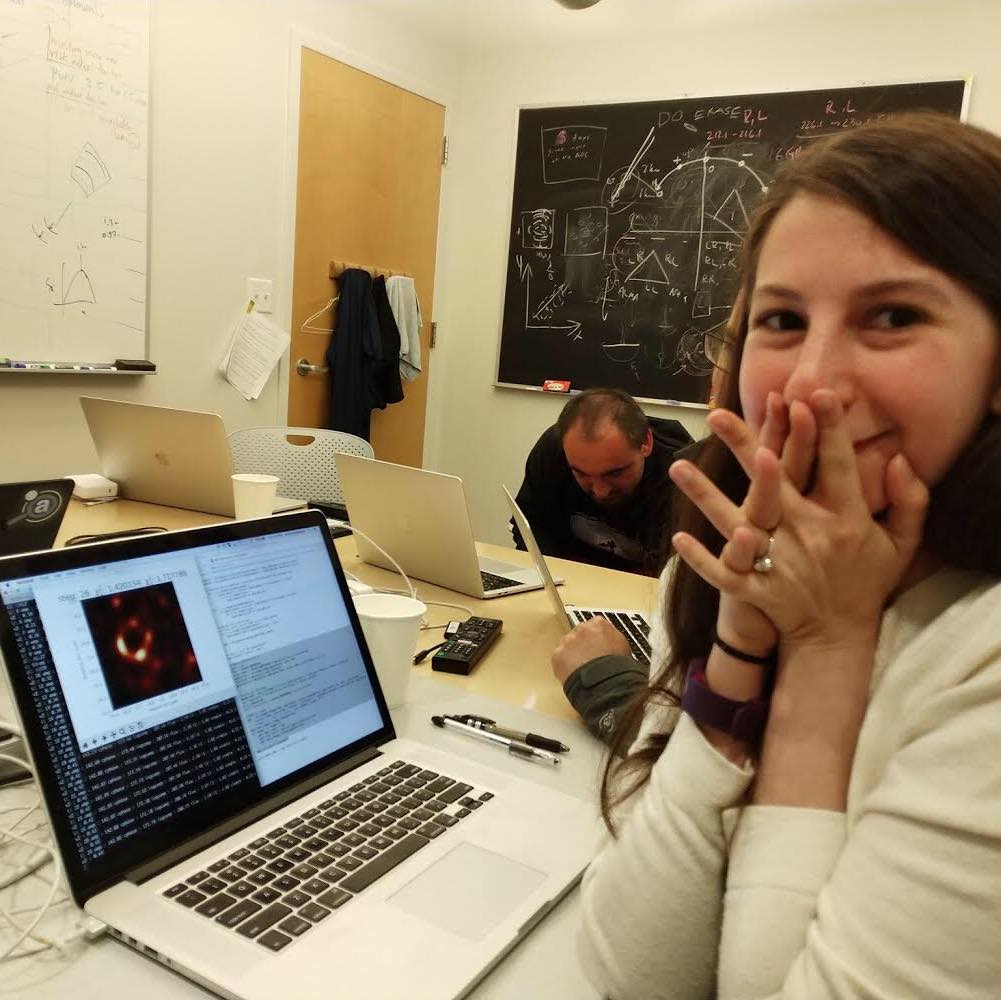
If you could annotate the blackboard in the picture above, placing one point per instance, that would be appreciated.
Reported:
(626, 222)
(74, 110)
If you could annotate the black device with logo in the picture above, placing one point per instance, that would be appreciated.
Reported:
(30, 514)
(462, 651)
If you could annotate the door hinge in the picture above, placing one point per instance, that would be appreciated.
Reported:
(434, 333)
(444, 150)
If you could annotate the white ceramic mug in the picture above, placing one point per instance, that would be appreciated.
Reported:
(253, 495)
(391, 623)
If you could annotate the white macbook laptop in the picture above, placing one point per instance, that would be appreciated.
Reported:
(630, 622)
(178, 458)
(420, 518)
(225, 785)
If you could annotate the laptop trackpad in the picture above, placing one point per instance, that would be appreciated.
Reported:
(468, 891)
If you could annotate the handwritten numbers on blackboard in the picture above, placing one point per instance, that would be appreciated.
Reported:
(627, 223)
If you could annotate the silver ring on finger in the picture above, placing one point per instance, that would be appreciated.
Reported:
(764, 564)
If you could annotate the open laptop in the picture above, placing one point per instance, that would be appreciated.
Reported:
(630, 622)
(420, 518)
(30, 514)
(178, 458)
(225, 785)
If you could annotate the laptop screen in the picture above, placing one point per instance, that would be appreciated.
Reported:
(171, 682)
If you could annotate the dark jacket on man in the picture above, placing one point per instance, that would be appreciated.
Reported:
(568, 524)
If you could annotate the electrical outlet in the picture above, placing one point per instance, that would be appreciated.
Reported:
(259, 292)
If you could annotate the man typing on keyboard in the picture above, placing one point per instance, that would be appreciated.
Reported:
(596, 488)
(594, 662)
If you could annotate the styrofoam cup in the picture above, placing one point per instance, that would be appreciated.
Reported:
(391, 623)
(253, 494)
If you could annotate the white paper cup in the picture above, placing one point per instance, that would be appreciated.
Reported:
(253, 495)
(391, 623)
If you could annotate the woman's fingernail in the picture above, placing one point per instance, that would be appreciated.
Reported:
(826, 404)
(680, 472)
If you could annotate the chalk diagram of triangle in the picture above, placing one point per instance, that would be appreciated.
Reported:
(649, 270)
(732, 214)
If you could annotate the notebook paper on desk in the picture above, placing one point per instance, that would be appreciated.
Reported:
(226, 787)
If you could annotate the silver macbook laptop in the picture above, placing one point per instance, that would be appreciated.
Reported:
(178, 458)
(225, 785)
(420, 518)
(630, 622)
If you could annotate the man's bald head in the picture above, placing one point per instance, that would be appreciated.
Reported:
(606, 440)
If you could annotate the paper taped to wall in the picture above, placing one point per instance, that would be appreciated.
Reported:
(254, 350)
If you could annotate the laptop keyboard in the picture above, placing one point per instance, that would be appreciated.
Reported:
(633, 627)
(493, 582)
(279, 886)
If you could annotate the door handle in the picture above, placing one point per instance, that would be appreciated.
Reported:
(303, 367)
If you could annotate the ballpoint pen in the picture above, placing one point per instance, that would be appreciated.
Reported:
(514, 748)
(532, 739)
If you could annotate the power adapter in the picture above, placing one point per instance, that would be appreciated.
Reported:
(91, 486)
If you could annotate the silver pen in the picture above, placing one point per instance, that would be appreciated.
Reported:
(514, 748)
(532, 739)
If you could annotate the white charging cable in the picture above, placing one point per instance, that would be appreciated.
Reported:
(44, 853)
(411, 589)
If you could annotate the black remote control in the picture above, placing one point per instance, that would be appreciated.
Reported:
(463, 651)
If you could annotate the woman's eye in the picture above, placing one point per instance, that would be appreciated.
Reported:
(894, 317)
(782, 320)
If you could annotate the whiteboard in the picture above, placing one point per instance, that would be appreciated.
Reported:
(74, 122)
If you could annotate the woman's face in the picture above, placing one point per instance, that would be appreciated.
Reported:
(913, 355)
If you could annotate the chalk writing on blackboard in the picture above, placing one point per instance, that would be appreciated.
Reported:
(627, 222)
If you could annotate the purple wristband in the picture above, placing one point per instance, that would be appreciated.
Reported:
(743, 720)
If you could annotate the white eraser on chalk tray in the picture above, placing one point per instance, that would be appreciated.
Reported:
(91, 486)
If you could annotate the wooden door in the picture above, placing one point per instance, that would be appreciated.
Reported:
(370, 158)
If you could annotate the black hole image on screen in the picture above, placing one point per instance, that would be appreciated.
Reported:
(142, 643)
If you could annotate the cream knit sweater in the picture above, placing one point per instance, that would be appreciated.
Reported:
(898, 897)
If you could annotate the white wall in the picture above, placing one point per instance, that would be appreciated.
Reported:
(218, 136)
(533, 52)
(220, 90)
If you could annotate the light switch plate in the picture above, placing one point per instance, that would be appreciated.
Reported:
(259, 291)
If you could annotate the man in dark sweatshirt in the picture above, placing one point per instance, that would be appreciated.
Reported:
(596, 488)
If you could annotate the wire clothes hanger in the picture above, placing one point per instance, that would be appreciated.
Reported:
(337, 268)
(309, 319)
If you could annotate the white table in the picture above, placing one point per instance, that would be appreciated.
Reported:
(513, 684)
(544, 965)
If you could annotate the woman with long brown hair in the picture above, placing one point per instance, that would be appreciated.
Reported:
(812, 808)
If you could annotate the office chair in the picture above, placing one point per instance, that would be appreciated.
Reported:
(306, 471)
